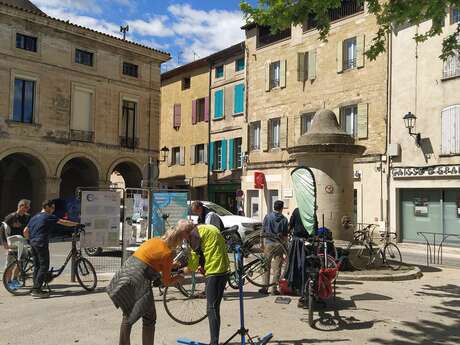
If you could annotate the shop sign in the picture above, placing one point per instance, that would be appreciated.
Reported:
(429, 171)
(420, 207)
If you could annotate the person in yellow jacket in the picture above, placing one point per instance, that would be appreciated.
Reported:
(210, 255)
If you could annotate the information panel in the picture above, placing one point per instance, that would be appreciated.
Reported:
(168, 208)
(100, 212)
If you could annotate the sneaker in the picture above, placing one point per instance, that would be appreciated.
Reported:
(40, 294)
(17, 283)
(275, 293)
(263, 291)
(13, 285)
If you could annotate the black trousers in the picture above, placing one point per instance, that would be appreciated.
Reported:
(41, 265)
(215, 286)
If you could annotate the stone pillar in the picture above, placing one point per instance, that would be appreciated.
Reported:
(51, 187)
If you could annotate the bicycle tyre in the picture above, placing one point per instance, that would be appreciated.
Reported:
(392, 256)
(311, 297)
(256, 269)
(25, 278)
(86, 275)
(186, 303)
(360, 257)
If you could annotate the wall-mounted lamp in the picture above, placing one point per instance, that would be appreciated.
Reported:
(409, 121)
(164, 153)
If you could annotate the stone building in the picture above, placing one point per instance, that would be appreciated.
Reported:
(75, 106)
(185, 128)
(424, 166)
(291, 75)
(228, 124)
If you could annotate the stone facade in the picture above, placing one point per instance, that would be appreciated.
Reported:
(184, 101)
(299, 74)
(50, 154)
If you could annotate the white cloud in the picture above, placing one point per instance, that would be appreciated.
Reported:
(76, 5)
(155, 26)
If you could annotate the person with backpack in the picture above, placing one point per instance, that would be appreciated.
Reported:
(206, 216)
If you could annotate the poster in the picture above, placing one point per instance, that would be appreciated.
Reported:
(421, 207)
(136, 216)
(100, 212)
(167, 209)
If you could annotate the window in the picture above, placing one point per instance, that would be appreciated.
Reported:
(176, 116)
(219, 104)
(349, 53)
(275, 74)
(450, 123)
(253, 203)
(130, 69)
(275, 125)
(128, 136)
(265, 35)
(175, 156)
(454, 15)
(239, 64)
(349, 119)
(24, 99)
(305, 122)
(451, 66)
(200, 153)
(200, 110)
(238, 102)
(83, 57)
(219, 72)
(272, 197)
(238, 159)
(254, 136)
(26, 42)
(81, 122)
(186, 82)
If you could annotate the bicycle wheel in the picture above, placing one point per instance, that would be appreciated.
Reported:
(330, 262)
(18, 277)
(392, 256)
(360, 257)
(311, 297)
(273, 263)
(185, 303)
(86, 275)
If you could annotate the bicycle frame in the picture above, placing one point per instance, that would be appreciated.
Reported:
(73, 253)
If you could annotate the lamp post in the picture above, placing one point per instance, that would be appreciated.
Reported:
(410, 121)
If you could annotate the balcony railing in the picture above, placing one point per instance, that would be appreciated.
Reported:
(451, 67)
(348, 8)
(349, 63)
(266, 37)
(81, 135)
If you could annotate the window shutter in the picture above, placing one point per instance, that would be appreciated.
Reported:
(205, 153)
(251, 136)
(169, 159)
(231, 154)
(194, 112)
(238, 106)
(82, 109)
(283, 132)
(312, 64)
(450, 118)
(182, 155)
(267, 76)
(228, 101)
(360, 51)
(362, 120)
(283, 73)
(224, 154)
(264, 135)
(340, 57)
(337, 114)
(219, 104)
(301, 57)
(192, 154)
(211, 155)
(206, 109)
(297, 127)
(177, 115)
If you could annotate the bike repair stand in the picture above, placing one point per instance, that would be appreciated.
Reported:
(243, 331)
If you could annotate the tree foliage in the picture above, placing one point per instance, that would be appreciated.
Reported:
(390, 14)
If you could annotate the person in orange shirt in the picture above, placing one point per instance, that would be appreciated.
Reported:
(130, 289)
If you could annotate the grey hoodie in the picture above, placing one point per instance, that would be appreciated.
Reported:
(275, 224)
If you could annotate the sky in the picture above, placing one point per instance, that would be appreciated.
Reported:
(188, 29)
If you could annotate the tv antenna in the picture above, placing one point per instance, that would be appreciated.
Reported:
(124, 30)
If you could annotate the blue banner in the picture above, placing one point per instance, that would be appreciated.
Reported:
(167, 209)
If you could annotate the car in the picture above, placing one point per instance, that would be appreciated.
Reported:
(246, 225)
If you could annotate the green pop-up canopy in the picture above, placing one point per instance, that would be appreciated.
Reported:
(304, 184)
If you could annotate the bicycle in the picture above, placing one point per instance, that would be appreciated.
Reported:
(18, 275)
(367, 253)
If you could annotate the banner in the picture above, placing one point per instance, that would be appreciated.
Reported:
(167, 209)
(100, 212)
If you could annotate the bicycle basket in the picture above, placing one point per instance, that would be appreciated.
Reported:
(325, 278)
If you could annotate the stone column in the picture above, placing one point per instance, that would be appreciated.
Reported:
(51, 187)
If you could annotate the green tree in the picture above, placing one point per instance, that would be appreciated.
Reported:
(390, 14)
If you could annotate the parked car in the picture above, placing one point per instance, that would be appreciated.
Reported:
(246, 225)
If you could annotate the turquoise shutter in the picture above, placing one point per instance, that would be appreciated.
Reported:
(211, 155)
(219, 104)
(239, 99)
(224, 154)
(231, 154)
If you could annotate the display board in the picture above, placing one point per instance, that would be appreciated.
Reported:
(100, 212)
(168, 207)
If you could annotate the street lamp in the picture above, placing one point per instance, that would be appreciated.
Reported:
(164, 153)
(409, 121)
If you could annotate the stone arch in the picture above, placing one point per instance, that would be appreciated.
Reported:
(23, 175)
(129, 169)
(30, 152)
(82, 155)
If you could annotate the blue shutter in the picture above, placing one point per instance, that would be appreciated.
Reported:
(239, 99)
(219, 104)
(224, 155)
(231, 154)
(211, 156)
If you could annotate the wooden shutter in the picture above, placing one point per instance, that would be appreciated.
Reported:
(360, 49)
(238, 104)
(231, 154)
(283, 132)
(82, 110)
(267, 76)
(228, 101)
(251, 136)
(297, 127)
(312, 64)
(264, 135)
(211, 155)
(177, 116)
(192, 154)
(450, 127)
(219, 104)
(169, 159)
(206, 109)
(182, 155)
(194, 102)
(224, 154)
(282, 73)
(337, 114)
(205, 153)
(362, 120)
(340, 57)
(301, 57)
